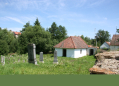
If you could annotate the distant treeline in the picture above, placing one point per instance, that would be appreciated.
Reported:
(43, 39)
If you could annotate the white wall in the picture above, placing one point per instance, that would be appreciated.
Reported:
(59, 51)
(73, 53)
(77, 53)
(114, 47)
(88, 50)
(104, 45)
(70, 53)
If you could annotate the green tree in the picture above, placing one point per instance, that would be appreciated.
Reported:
(36, 35)
(102, 36)
(53, 30)
(82, 37)
(14, 46)
(57, 32)
(7, 37)
(22, 42)
(37, 22)
(25, 26)
(87, 40)
(4, 48)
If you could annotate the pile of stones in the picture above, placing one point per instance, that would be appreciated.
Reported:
(107, 63)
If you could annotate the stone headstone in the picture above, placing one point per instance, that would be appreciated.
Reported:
(41, 57)
(55, 57)
(32, 54)
(3, 60)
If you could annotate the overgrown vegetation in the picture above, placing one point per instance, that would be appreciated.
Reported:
(43, 39)
(18, 64)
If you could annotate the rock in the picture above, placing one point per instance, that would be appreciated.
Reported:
(100, 71)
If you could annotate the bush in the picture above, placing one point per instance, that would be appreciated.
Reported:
(4, 48)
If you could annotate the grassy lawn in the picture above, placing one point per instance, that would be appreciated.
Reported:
(18, 64)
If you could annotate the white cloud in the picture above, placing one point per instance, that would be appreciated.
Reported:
(15, 19)
(97, 2)
(81, 3)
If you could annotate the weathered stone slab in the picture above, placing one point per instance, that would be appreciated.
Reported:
(41, 57)
(55, 57)
(100, 71)
(32, 54)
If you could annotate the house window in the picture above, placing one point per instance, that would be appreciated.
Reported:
(81, 51)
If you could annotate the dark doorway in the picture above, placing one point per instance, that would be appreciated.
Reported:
(91, 51)
(64, 52)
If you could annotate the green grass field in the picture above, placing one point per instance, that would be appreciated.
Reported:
(18, 64)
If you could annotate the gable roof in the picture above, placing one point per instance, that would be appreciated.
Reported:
(17, 33)
(114, 40)
(108, 43)
(72, 42)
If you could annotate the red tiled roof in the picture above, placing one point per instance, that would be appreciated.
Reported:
(89, 45)
(114, 40)
(108, 43)
(72, 42)
(17, 33)
(92, 46)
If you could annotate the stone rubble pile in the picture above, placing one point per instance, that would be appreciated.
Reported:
(107, 63)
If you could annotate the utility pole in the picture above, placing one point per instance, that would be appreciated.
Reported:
(96, 40)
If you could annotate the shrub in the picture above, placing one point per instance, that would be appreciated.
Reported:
(4, 48)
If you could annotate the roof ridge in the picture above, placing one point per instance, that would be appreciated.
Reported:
(73, 42)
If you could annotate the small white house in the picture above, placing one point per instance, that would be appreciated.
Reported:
(73, 47)
(105, 45)
(114, 45)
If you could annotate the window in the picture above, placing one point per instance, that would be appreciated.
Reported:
(81, 51)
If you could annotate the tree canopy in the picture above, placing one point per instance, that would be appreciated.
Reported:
(102, 36)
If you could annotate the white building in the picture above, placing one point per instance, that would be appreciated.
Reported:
(73, 47)
(105, 45)
(114, 45)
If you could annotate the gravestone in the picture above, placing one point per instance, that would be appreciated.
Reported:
(55, 57)
(32, 54)
(41, 57)
(3, 60)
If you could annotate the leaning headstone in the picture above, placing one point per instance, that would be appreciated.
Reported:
(55, 57)
(32, 54)
(41, 57)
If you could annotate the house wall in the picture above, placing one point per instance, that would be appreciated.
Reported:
(114, 47)
(73, 53)
(88, 50)
(78, 54)
(59, 51)
(70, 53)
(104, 45)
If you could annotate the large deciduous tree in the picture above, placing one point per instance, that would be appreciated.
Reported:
(102, 36)
(37, 35)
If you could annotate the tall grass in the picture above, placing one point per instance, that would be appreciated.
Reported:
(18, 64)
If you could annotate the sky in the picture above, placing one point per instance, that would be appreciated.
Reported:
(80, 17)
